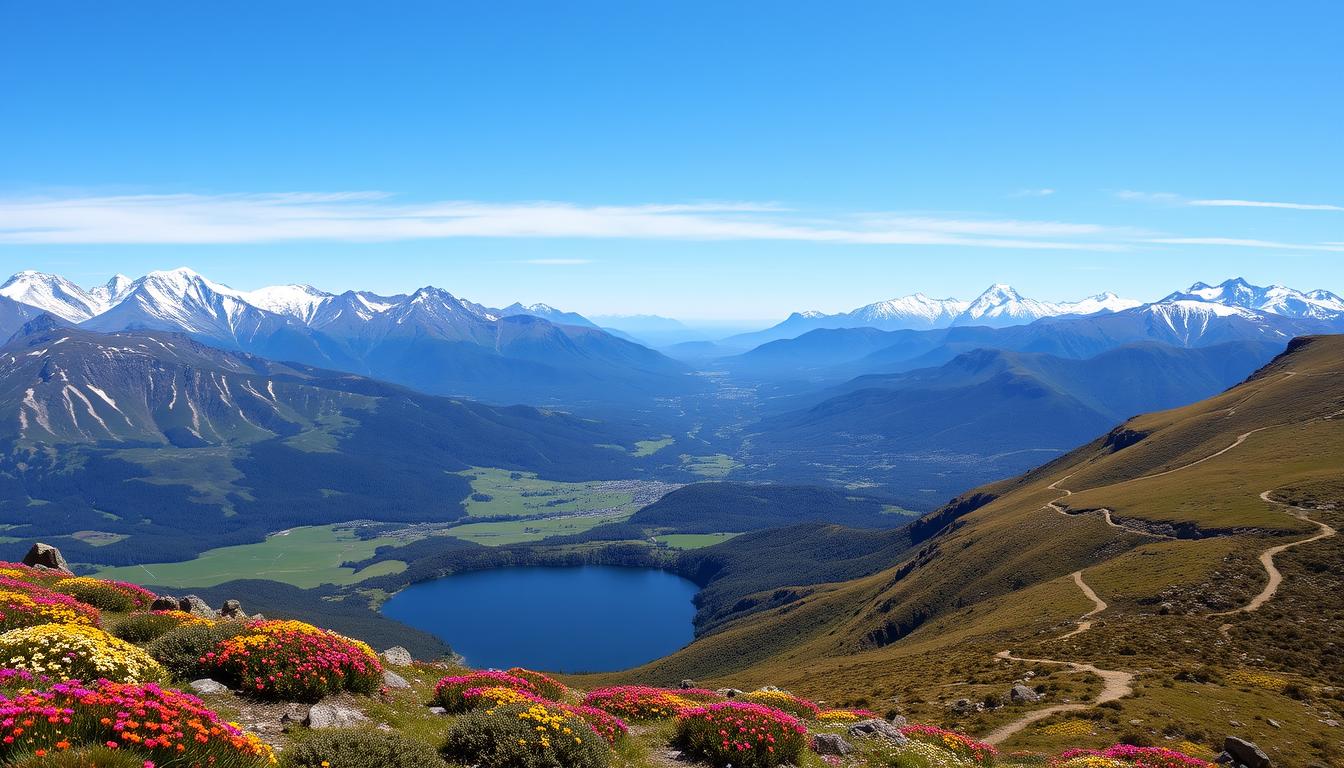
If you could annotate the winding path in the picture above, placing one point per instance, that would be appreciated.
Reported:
(1267, 558)
(1115, 683)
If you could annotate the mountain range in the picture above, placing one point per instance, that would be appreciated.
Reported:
(1001, 306)
(428, 339)
(1203, 316)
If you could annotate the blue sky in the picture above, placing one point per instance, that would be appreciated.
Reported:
(695, 159)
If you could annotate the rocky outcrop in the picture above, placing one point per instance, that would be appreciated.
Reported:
(1021, 694)
(878, 729)
(45, 556)
(396, 656)
(393, 680)
(332, 715)
(1240, 753)
(831, 744)
(232, 609)
(206, 686)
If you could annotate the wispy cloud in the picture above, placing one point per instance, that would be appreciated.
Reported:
(1041, 192)
(1238, 242)
(557, 262)
(1171, 198)
(376, 217)
(1166, 198)
(1266, 204)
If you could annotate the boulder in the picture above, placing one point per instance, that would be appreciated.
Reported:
(437, 711)
(232, 609)
(729, 693)
(1021, 694)
(331, 715)
(206, 686)
(197, 607)
(46, 556)
(830, 744)
(393, 680)
(686, 685)
(294, 713)
(1241, 752)
(165, 603)
(963, 706)
(397, 656)
(878, 729)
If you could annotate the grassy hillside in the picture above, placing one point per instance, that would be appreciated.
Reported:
(1166, 519)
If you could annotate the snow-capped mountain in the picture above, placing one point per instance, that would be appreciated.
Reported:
(54, 294)
(546, 312)
(1102, 302)
(428, 339)
(300, 302)
(913, 311)
(997, 307)
(184, 301)
(1274, 299)
(1001, 306)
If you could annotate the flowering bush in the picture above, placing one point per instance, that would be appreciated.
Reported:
(638, 702)
(27, 573)
(16, 680)
(82, 757)
(23, 604)
(542, 683)
(146, 627)
(294, 661)
(921, 754)
(794, 705)
(743, 734)
(118, 596)
(164, 727)
(1127, 756)
(76, 651)
(359, 748)
(962, 746)
(604, 724)
(181, 650)
(845, 715)
(450, 691)
(524, 735)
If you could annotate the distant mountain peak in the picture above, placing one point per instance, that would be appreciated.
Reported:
(53, 294)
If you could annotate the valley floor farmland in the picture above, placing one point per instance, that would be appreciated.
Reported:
(304, 557)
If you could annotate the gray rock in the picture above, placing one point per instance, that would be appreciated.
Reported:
(729, 693)
(830, 744)
(1021, 694)
(1245, 753)
(1331, 723)
(1273, 723)
(962, 706)
(232, 609)
(397, 656)
(207, 686)
(46, 556)
(165, 603)
(393, 680)
(294, 713)
(197, 607)
(686, 685)
(878, 729)
(329, 715)
(437, 711)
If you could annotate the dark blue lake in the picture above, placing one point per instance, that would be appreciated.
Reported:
(586, 619)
